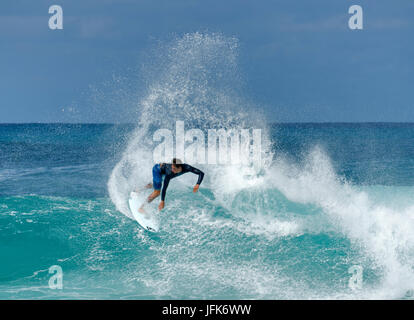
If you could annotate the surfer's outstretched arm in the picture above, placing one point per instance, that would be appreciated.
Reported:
(200, 174)
(164, 191)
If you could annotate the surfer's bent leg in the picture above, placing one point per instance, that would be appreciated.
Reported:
(156, 182)
(153, 195)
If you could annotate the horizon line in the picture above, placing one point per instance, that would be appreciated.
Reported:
(271, 123)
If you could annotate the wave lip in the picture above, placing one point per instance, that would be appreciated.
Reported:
(384, 234)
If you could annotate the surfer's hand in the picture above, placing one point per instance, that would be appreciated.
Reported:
(161, 206)
(196, 188)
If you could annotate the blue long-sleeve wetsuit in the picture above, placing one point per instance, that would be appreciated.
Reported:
(167, 171)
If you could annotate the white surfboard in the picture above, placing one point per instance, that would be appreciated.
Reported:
(148, 219)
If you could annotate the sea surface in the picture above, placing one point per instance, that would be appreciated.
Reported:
(330, 217)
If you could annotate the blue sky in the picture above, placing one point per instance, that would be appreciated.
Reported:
(299, 59)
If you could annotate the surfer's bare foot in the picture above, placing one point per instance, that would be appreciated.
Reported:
(141, 210)
(139, 190)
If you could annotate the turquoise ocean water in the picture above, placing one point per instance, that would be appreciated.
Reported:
(341, 195)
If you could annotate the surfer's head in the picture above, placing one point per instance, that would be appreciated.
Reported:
(177, 165)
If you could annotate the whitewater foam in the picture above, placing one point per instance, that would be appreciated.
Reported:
(196, 84)
(386, 235)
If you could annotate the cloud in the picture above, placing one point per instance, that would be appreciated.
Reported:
(389, 23)
(34, 27)
(92, 27)
(329, 23)
(23, 25)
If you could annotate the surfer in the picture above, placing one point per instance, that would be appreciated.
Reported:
(169, 171)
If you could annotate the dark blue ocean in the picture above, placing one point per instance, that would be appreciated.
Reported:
(335, 199)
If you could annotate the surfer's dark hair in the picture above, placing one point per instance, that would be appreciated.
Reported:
(177, 163)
